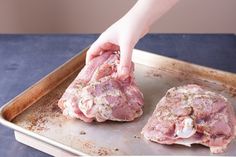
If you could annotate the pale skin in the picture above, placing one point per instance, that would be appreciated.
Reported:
(125, 33)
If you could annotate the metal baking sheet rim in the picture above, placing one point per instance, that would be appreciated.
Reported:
(57, 144)
(26, 132)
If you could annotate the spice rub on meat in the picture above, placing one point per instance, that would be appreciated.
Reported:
(98, 94)
(190, 114)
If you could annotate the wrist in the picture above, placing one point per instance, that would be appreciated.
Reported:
(137, 24)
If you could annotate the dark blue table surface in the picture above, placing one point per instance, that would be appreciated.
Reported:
(24, 59)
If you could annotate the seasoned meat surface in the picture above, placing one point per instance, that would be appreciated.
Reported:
(98, 94)
(190, 114)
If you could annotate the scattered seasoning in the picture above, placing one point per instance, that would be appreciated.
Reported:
(102, 152)
(232, 91)
(153, 73)
(55, 108)
(37, 123)
(82, 132)
(138, 137)
(88, 145)
(233, 94)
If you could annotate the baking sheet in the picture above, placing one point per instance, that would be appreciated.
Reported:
(154, 75)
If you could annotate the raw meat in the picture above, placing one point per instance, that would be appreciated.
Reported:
(190, 114)
(98, 94)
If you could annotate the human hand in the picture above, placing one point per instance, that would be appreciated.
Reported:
(124, 34)
(121, 36)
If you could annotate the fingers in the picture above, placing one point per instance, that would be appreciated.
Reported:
(125, 60)
(93, 51)
(102, 44)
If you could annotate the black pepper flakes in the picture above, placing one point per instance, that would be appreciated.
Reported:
(82, 132)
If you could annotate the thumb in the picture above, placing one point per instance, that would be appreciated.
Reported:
(125, 60)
